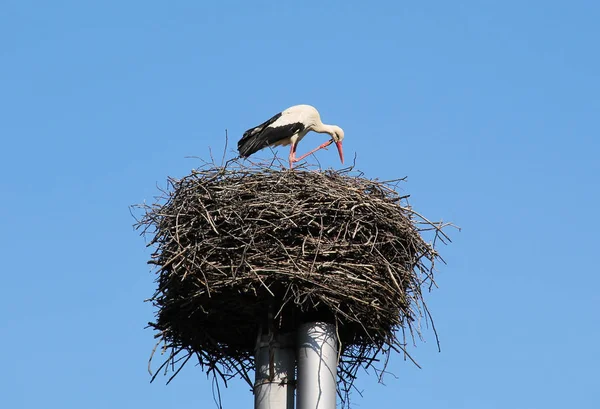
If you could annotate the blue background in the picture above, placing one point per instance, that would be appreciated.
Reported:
(489, 107)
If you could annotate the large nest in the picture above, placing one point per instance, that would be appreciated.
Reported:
(235, 242)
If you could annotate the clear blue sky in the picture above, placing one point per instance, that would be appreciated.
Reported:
(491, 108)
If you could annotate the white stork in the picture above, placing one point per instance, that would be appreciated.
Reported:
(289, 127)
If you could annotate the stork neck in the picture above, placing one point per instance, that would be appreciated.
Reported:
(323, 128)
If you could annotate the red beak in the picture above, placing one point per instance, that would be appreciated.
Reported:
(339, 146)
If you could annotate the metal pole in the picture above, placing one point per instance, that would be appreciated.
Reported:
(274, 376)
(317, 366)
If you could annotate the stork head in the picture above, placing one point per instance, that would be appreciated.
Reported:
(337, 134)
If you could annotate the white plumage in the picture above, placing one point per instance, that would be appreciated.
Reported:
(288, 128)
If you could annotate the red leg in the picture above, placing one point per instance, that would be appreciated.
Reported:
(292, 156)
(323, 146)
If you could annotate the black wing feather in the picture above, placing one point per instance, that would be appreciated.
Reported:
(263, 135)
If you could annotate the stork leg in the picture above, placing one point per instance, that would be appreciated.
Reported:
(322, 146)
(292, 155)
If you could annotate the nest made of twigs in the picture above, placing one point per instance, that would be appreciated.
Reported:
(234, 242)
